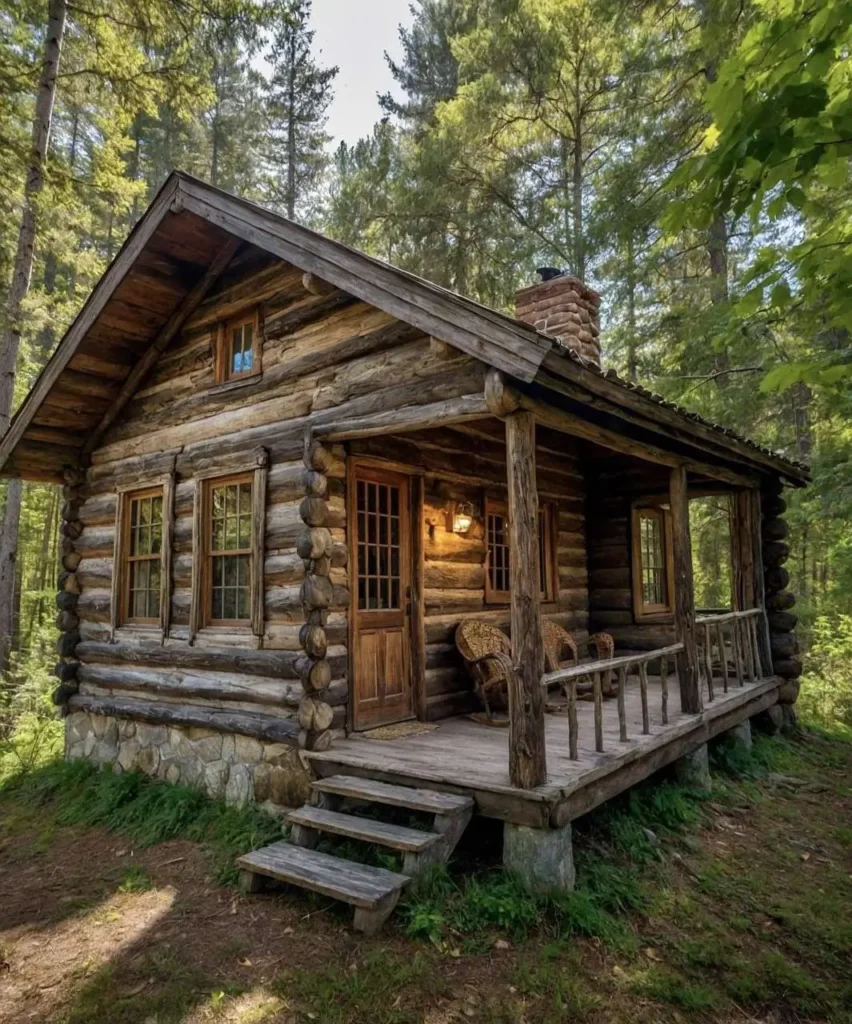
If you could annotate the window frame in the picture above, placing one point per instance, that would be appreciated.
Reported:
(252, 465)
(658, 509)
(119, 596)
(208, 554)
(223, 350)
(548, 572)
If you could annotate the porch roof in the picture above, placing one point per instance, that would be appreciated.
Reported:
(181, 245)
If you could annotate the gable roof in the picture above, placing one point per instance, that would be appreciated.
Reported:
(181, 245)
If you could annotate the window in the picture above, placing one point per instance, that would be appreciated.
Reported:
(497, 584)
(143, 548)
(238, 351)
(653, 586)
(228, 555)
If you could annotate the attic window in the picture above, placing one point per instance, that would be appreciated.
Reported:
(238, 348)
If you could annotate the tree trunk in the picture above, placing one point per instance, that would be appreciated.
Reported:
(632, 367)
(291, 132)
(21, 274)
(579, 237)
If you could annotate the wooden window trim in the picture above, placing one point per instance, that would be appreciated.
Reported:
(208, 554)
(119, 602)
(202, 594)
(660, 510)
(222, 359)
(549, 572)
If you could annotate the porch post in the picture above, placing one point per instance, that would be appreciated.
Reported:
(684, 596)
(527, 762)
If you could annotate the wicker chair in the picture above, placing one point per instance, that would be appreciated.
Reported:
(556, 639)
(487, 653)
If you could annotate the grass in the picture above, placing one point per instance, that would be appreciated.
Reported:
(687, 906)
(145, 810)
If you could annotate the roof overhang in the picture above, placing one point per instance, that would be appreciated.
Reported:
(171, 256)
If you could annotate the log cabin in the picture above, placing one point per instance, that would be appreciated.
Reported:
(291, 471)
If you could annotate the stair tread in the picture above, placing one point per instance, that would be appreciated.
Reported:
(397, 837)
(429, 801)
(362, 885)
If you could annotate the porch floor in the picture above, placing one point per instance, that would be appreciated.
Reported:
(462, 756)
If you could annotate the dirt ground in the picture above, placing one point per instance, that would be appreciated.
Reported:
(748, 918)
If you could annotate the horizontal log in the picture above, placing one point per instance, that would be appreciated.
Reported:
(787, 668)
(774, 529)
(454, 575)
(783, 645)
(781, 601)
(261, 727)
(271, 663)
(66, 602)
(776, 579)
(95, 605)
(775, 553)
(782, 622)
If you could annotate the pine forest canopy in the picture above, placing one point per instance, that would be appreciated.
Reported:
(689, 160)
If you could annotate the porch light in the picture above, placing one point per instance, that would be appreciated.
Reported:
(463, 517)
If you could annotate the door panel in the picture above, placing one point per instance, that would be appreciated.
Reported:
(380, 548)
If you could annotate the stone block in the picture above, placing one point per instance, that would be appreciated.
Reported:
(89, 743)
(127, 754)
(173, 773)
(739, 736)
(789, 720)
(208, 748)
(148, 760)
(693, 769)
(75, 751)
(229, 748)
(216, 779)
(239, 790)
(769, 721)
(260, 779)
(151, 735)
(248, 750)
(543, 858)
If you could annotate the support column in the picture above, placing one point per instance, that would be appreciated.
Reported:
(693, 769)
(316, 548)
(684, 597)
(527, 759)
(543, 858)
(67, 621)
(739, 736)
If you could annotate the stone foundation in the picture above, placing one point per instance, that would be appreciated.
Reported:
(237, 769)
(543, 858)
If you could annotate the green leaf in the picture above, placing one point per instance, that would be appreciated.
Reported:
(782, 377)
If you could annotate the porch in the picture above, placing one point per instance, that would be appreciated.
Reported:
(596, 748)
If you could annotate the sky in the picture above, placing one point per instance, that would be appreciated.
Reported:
(354, 34)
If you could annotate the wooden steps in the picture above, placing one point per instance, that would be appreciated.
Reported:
(395, 837)
(373, 891)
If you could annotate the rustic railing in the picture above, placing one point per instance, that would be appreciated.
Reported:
(601, 670)
(737, 630)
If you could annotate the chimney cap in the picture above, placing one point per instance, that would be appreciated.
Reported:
(549, 273)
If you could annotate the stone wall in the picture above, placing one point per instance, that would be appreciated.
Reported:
(237, 769)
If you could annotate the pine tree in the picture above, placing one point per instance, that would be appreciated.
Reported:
(300, 91)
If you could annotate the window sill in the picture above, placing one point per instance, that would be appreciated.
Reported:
(653, 617)
(236, 384)
(227, 636)
(140, 633)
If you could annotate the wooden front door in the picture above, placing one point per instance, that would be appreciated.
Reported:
(380, 554)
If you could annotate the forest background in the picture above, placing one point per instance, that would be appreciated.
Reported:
(690, 159)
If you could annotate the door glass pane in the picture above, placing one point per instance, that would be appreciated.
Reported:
(378, 526)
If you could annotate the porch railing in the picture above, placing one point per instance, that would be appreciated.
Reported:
(600, 671)
(734, 630)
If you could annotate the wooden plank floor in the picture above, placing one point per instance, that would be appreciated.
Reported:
(464, 756)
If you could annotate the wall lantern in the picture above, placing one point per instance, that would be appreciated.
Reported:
(463, 517)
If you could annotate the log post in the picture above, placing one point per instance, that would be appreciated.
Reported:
(69, 588)
(315, 547)
(684, 597)
(781, 621)
(527, 761)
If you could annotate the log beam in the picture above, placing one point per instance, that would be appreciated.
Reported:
(527, 758)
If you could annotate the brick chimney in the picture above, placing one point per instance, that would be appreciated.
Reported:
(565, 308)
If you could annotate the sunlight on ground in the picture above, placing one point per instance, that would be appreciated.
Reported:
(64, 955)
(252, 1007)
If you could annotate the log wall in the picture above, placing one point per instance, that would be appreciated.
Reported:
(324, 357)
(613, 485)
